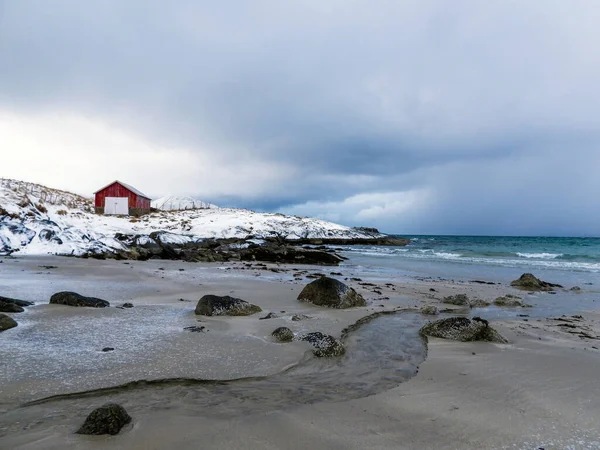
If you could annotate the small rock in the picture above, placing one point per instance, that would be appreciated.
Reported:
(127, 305)
(529, 282)
(271, 315)
(575, 289)
(195, 329)
(299, 317)
(324, 344)
(74, 299)
(283, 334)
(479, 303)
(108, 419)
(7, 322)
(431, 310)
(214, 305)
(458, 299)
(508, 301)
(462, 329)
(107, 349)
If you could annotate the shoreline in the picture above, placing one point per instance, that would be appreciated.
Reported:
(470, 403)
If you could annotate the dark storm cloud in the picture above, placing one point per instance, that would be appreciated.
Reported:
(480, 108)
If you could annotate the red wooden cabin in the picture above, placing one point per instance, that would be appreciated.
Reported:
(121, 199)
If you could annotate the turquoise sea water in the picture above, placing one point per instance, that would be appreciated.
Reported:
(567, 261)
(574, 254)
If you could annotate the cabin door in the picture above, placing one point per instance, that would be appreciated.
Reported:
(116, 205)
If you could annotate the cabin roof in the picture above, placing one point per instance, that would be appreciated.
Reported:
(125, 185)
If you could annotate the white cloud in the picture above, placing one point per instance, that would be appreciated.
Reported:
(366, 209)
(75, 152)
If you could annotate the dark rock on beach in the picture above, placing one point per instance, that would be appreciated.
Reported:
(462, 329)
(271, 315)
(431, 310)
(331, 293)
(283, 334)
(127, 305)
(74, 299)
(195, 329)
(478, 303)
(7, 322)
(324, 344)
(509, 300)
(108, 419)
(22, 303)
(214, 305)
(289, 254)
(529, 282)
(10, 307)
(299, 317)
(458, 299)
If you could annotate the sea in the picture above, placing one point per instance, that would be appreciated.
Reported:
(569, 261)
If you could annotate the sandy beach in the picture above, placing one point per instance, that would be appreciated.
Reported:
(538, 391)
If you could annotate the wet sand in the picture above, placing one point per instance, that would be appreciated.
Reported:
(539, 391)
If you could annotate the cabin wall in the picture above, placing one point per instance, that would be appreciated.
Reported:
(137, 205)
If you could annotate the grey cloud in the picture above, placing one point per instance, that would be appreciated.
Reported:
(358, 97)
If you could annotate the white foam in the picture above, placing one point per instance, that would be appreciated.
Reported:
(540, 255)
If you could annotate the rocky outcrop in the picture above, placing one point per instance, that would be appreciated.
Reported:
(331, 293)
(289, 254)
(462, 329)
(7, 322)
(75, 299)
(283, 334)
(528, 282)
(324, 344)
(108, 419)
(214, 305)
(430, 310)
(458, 299)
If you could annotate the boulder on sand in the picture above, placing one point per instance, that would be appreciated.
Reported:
(462, 329)
(10, 307)
(74, 299)
(283, 334)
(332, 293)
(458, 299)
(108, 419)
(529, 282)
(215, 305)
(509, 301)
(6, 301)
(479, 303)
(6, 322)
(431, 310)
(324, 344)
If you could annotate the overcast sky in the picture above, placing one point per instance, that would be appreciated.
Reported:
(425, 116)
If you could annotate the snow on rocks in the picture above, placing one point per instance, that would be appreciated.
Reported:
(38, 220)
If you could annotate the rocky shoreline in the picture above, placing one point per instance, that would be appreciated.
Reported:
(165, 245)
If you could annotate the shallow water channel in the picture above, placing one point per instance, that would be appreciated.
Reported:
(381, 354)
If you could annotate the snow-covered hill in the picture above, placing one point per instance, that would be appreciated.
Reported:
(174, 203)
(38, 220)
